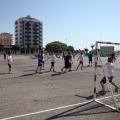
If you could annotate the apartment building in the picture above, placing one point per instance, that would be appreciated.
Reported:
(29, 31)
(6, 39)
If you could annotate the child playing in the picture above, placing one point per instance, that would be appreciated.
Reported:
(52, 59)
(80, 61)
(40, 62)
(90, 58)
(108, 67)
(9, 61)
(67, 62)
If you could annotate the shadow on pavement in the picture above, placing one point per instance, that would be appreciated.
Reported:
(3, 73)
(28, 70)
(57, 73)
(85, 109)
(27, 74)
(87, 98)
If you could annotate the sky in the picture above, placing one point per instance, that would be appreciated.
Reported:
(79, 23)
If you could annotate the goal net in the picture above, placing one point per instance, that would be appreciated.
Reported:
(106, 93)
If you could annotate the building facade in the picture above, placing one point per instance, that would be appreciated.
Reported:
(29, 31)
(6, 39)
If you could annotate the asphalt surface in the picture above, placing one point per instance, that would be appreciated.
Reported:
(26, 95)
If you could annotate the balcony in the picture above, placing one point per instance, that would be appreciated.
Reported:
(36, 33)
(28, 31)
(27, 35)
(28, 40)
(35, 43)
(16, 27)
(36, 24)
(35, 40)
(27, 28)
(27, 24)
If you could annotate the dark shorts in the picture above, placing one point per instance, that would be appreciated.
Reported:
(90, 60)
(66, 65)
(52, 63)
(104, 79)
(70, 65)
(39, 64)
(9, 65)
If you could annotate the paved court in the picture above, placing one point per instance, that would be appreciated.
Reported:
(25, 95)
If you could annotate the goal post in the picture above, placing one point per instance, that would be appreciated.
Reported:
(112, 102)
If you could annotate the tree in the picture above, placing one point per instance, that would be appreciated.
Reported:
(70, 48)
(16, 48)
(86, 50)
(56, 46)
(1, 48)
(33, 48)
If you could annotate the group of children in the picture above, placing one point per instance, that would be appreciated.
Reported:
(41, 61)
(108, 67)
(68, 61)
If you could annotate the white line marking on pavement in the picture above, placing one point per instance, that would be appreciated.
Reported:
(107, 97)
(24, 115)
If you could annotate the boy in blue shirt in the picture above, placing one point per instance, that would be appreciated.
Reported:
(40, 62)
(67, 59)
(90, 58)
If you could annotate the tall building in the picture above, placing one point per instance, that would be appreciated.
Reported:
(6, 39)
(29, 31)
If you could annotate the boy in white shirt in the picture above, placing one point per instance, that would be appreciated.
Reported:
(108, 67)
(9, 58)
(80, 61)
(43, 59)
(52, 59)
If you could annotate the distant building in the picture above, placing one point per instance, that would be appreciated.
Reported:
(6, 39)
(107, 49)
(29, 31)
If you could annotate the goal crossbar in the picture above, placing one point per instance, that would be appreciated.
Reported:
(107, 43)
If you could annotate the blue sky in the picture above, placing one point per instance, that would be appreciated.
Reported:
(75, 22)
